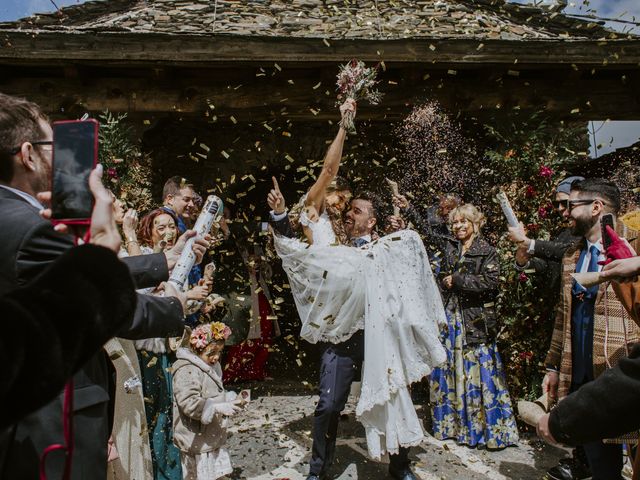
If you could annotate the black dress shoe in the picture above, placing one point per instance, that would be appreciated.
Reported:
(568, 469)
(405, 474)
(313, 477)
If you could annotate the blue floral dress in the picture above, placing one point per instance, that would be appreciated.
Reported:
(470, 402)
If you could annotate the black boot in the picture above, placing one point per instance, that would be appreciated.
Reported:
(574, 468)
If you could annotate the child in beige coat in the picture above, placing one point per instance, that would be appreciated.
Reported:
(201, 404)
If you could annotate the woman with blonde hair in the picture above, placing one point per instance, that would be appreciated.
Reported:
(469, 398)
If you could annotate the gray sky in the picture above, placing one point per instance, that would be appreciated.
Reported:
(609, 135)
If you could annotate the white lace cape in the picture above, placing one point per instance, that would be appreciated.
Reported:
(388, 287)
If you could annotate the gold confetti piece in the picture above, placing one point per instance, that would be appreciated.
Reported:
(278, 300)
(452, 72)
(152, 362)
(299, 362)
(277, 67)
(267, 127)
(513, 73)
(384, 67)
(480, 47)
(286, 134)
(391, 82)
(426, 76)
(272, 317)
(233, 119)
(233, 179)
(204, 147)
(289, 158)
(317, 85)
(224, 154)
(291, 82)
(315, 112)
(146, 122)
(432, 47)
(326, 42)
(575, 110)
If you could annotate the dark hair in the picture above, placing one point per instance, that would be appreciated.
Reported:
(600, 188)
(377, 209)
(174, 185)
(145, 229)
(18, 124)
(339, 184)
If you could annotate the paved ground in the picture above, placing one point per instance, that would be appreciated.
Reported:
(272, 440)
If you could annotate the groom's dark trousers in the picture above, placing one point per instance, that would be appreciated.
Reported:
(341, 365)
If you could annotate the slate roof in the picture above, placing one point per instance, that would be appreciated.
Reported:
(329, 19)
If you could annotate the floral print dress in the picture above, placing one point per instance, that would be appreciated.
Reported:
(470, 402)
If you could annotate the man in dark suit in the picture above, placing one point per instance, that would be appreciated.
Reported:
(28, 244)
(341, 363)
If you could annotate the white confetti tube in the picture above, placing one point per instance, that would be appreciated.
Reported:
(512, 220)
(211, 212)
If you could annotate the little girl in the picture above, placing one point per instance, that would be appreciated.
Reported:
(200, 403)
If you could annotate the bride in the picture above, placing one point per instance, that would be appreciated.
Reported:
(385, 287)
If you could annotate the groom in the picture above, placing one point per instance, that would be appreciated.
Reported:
(341, 363)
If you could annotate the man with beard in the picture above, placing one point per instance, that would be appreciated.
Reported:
(341, 363)
(591, 331)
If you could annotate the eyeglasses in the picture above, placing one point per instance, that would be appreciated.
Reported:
(15, 151)
(571, 204)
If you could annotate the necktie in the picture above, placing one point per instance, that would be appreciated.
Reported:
(359, 242)
(593, 262)
(578, 290)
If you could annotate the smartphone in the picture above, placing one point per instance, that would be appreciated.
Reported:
(75, 154)
(606, 219)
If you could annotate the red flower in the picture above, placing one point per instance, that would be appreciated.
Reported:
(523, 277)
(531, 192)
(542, 212)
(526, 356)
(533, 227)
(112, 172)
(545, 172)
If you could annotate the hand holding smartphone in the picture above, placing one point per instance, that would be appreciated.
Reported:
(75, 154)
(606, 219)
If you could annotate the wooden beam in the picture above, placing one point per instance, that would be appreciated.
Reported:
(43, 47)
(572, 95)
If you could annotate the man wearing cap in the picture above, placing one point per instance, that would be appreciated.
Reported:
(545, 257)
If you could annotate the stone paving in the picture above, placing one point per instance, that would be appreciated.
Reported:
(271, 440)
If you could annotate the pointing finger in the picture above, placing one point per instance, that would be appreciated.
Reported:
(275, 184)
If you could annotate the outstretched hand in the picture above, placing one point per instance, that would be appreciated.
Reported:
(275, 199)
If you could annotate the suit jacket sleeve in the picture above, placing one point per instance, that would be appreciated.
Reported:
(593, 413)
(148, 270)
(155, 317)
(550, 250)
(283, 227)
(56, 322)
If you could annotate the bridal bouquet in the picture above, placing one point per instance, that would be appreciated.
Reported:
(356, 81)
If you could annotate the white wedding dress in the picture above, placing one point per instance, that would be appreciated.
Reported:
(387, 288)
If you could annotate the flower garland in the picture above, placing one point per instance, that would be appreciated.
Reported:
(207, 333)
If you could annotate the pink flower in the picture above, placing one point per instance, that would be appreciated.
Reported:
(523, 277)
(226, 333)
(545, 172)
(542, 212)
(112, 172)
(531, 192)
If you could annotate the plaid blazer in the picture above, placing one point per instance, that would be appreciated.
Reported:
(613, 330)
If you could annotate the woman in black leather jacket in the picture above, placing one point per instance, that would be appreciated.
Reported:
(469, 398)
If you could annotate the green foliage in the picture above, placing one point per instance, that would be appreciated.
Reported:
(526, 163)
(127, 170)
